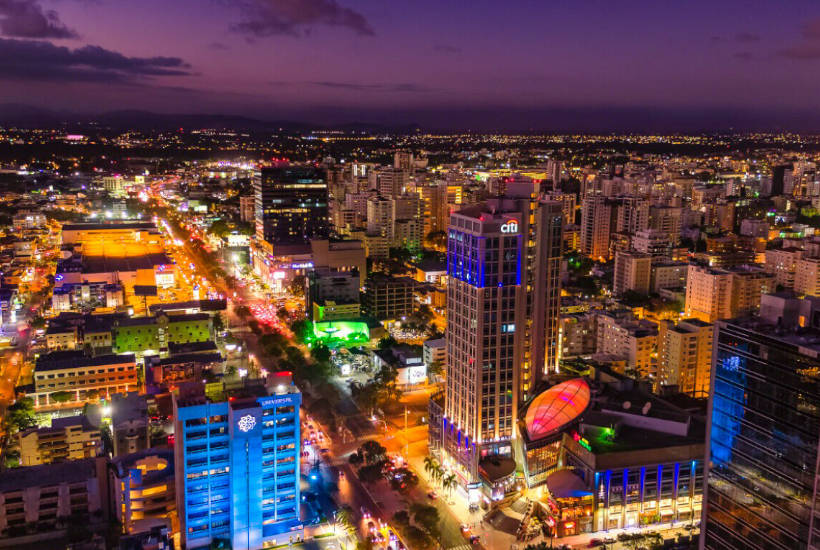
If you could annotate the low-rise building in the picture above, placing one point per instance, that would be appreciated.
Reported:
(611, 455)
(143, 487)
(387, 298)
(71, 377)
(68, 438)
(47, 495)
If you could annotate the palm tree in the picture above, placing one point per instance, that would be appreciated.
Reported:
(438, 473)
(344, 520)
(429, 464)
(448, 483)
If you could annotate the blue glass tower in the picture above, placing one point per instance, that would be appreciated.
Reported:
(764, 435)
(237, 460)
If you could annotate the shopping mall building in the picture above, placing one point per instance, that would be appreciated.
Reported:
(602, 452)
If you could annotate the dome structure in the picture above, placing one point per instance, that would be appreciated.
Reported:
(556, 407)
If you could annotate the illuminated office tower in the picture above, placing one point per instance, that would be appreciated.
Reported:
(291, 205)
(503, 264)
(237, 465)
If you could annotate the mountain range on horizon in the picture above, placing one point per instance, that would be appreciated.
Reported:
(548, 120)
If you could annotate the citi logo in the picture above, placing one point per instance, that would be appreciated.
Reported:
(510, 227)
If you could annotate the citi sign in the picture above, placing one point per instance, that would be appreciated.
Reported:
(510, 227)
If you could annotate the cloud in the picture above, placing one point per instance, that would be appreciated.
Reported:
(809, 48)
(811, 30)
(44, 61)
(400, 87)
(218, 46)
(801, 52)
(28, 19)
(743, 56)
(262, 18)
(747, 37)
(444, 48)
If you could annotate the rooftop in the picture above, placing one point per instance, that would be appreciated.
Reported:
(58, 360)
(47, 475)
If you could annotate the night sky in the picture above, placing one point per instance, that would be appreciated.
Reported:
(478, 63)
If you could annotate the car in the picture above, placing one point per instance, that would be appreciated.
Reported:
(464, 529)
(475, 540)
(609, 540)
(365, 513)
(371, 527)
(432, 495)
(594, 542)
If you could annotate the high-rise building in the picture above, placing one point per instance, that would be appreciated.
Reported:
(596, 226)
(633, 271)
(782, 263)
(685, 356)
(762, 456)
(381, 217)
(291, 205)
(713, 294)
(502, 319)
(247, 209)
(237, 464)
(807, 276)
(434, 207)
(626, 338)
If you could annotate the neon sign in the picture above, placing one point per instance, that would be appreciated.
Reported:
(510, 227)
(582, 441)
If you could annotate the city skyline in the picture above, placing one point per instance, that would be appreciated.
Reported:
(594, 66)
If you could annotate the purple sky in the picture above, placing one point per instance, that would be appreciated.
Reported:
(403, 61)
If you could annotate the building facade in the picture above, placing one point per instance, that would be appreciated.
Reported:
(502, 322)
(237, 466)
(291, 205)
(764, 435)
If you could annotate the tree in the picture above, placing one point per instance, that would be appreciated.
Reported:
(436, 239)
(373, 451)
(388, 342)
(61, 396)
(402, 517)
(448, 483)
(219, 323)
(21, 414)
(242, 311)
(320, 353)
(427, 518)
(430, 464)
(219, 228)
(344, 521)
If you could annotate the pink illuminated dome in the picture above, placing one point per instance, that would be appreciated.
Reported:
(556, 407)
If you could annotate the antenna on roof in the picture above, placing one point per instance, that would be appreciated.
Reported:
(646, 408)
(627, 405)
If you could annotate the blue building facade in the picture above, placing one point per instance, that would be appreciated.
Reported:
(764, 435)
(238, 468)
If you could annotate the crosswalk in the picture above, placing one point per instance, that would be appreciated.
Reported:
(461, 547)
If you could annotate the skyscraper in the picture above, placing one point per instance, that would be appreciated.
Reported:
(502, 318)
(291, 205)
(764, 432)
(237, 464)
